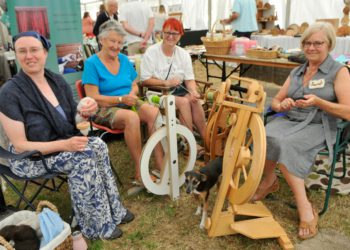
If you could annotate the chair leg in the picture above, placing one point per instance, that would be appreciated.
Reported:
(116, 174)
(22, 197)
(329, 187)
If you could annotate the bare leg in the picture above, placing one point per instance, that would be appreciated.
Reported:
(148, 114)
(198, 118)
(129, 121)
(269, 174)
(184, 106)
(303, 204)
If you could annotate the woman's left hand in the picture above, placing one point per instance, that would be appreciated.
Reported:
(310, 100)
(130, 99)
(195, 96)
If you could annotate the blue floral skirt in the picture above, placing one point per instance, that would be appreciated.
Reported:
(94, 193)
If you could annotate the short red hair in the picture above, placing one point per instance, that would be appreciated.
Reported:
(174, 24)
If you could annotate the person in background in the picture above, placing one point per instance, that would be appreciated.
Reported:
(166, 64)
(37, 112)
(138, 21)
(314, 96)
(111, 13)
(159, 19)
(87, 24)
(243, 18)
(110, 78)
(102, 8)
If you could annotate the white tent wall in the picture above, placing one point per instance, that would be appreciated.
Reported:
(195, 14)
(310, 10)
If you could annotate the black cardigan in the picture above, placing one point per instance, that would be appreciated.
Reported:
(103, 17)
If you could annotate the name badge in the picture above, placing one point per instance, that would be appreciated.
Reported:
(316, 84)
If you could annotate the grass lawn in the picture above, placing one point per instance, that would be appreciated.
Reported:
(161, 223)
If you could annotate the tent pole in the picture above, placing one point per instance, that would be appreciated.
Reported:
(209, 14)
(288, 7)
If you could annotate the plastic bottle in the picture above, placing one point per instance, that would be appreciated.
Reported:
(79, 242)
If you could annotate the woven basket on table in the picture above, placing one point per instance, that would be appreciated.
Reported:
(261, 54)
(67, 244)
(217, 46)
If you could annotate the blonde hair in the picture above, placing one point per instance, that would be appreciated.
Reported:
(326, 28)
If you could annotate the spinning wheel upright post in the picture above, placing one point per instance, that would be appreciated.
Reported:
(172, 175)
(243, 164)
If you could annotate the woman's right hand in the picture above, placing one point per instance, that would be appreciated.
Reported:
(129, 100)
(286, 104)
(76, 143)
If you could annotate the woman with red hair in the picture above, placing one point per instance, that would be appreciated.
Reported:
(166, 64)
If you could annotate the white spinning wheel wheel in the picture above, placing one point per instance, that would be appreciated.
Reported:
(163, 186)
(172, 174)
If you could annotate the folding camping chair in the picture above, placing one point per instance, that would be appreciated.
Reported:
(41, 181)
(102, 129)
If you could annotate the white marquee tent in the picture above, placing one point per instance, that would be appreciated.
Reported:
(199, 14)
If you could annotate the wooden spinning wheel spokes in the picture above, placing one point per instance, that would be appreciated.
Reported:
(248, 171)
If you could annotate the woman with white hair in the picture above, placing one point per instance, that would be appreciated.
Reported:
(110, 79)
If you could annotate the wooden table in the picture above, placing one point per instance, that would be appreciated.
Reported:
(241, 60)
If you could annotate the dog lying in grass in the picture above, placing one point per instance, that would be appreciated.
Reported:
(199, 182)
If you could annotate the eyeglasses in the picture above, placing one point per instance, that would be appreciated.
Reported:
(316, 44)
(33, 51)
(171, 33)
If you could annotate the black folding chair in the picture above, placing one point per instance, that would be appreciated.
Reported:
(43, 182)
(339, 152)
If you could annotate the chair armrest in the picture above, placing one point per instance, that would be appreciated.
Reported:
(342, 124)
(8, 155)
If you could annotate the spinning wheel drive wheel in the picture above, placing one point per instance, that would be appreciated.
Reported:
(185, 163)
(250, 163)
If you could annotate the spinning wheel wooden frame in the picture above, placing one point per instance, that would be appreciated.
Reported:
(243, 164)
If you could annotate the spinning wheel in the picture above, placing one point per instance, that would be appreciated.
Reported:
(218, 129)
(168, 134)
(251, 156)
(243, 164)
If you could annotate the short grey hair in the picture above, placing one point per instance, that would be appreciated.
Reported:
(326, 28)
(111, 25)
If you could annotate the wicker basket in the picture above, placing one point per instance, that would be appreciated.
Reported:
(262, 54)
(217, 46)
(65, 244)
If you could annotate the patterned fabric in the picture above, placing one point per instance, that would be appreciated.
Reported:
(94, 194)
(320, 181)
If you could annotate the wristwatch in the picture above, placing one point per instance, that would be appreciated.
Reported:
(140, 35)
(120, 99)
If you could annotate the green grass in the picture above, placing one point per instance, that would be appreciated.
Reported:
(161, 223)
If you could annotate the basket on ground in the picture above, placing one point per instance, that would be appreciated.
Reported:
(217, 45)
(63, 241)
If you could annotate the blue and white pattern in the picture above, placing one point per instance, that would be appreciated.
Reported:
(94, 194)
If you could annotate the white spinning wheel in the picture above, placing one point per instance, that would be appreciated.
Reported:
(172, 174)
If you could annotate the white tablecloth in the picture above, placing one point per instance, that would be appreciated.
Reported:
(288, 42)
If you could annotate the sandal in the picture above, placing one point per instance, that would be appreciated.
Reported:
(137, 187)
(311, 225)
(261, 193)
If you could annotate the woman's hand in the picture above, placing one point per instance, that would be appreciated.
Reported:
(286, 104)
(76, 143)
(87, 107)
(308, 101)
(129, 99)
(195, 96)
(172, 82)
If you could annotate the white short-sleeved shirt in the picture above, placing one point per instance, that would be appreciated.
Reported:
(137, 15)
(155, 64)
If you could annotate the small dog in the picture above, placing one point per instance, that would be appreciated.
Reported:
(200, 182)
